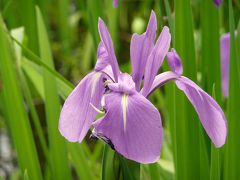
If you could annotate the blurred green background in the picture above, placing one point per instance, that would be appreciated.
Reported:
(48, 46)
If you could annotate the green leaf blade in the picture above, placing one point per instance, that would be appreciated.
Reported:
(58, 151)
(17, 121)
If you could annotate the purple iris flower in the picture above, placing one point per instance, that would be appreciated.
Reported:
(225, 53)
(130, 123)
(115, 3)
(218, 2)
(225, 56)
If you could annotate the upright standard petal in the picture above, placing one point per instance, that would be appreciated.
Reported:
(102, 58)
(107, 43)
(77, 114)
(155, 59)
(225, 53)
(218, 2)
(209, 112)
(132, 126)
(140, 48)
(103, 62)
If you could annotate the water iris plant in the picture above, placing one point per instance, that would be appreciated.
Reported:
(115, 3)
(218, 2)
(225, 54)
(131, 124)
(225, 59)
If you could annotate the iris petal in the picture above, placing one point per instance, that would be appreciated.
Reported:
(225, 55)
(218, 2)
(115, 3)
(209, 112)
(141, 139)
(125, 84)
(140, 48)
(175, 62)
(108, 45)
(155, 59)
(102, 58)
(77, 113)
(162, 79)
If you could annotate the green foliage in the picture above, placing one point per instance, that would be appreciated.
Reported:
(186, 122)
(57, 147)
(232, 157)
(16, 116)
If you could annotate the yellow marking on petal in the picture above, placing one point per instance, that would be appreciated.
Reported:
(107, 82)
(94, 81)
(96, 109)
(124, 109)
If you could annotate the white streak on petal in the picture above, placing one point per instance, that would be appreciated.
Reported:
(103, 101)
(96, 109)
(94, 80)
(124, 109)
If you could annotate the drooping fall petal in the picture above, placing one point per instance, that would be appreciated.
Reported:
(209, 112)
(132, 126)
(162, 79)
(140, 48)
(77, 113)
(155, 59)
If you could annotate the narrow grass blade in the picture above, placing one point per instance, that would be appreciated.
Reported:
(37, 60)
(154, 171)
(9, 12)
(94, 10)
(170, 88)
(64, 29)
(80, 162)
(26, 9)
(34, 115)
(187, 155)
(130, 169)
(210, 71)
(26, 177)
(58, 152)
(88, 52)
(113, 21)
(110, 164)
(97, 153)
(215, 164)
(79, 153)
(34, 73)
(18, 121)
(19, 34)
(115, 166)
(233, 144)
(215, 156)
(210, 51)
(170, 19)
